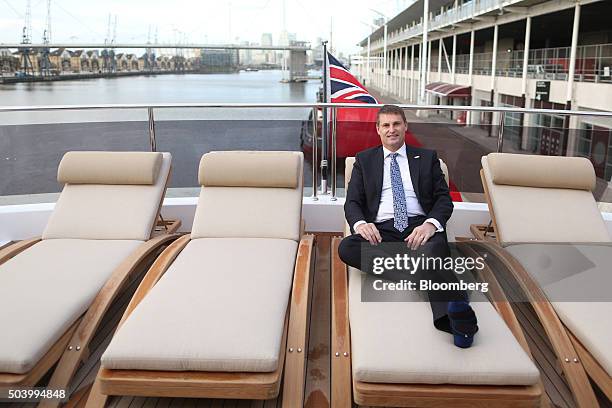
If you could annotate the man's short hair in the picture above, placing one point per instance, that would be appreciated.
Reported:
(391, 109)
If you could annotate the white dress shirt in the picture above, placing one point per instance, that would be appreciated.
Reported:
(385, 209)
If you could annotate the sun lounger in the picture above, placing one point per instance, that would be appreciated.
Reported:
(54, 290)
(557, 211)
(223, 311)
(389, 353)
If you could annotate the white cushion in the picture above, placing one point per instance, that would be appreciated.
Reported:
(577, 281)
(248, 212)
(221, 306)
(97, 211)
(44, 289)
(590, 323)
(396, 342)
(263, 206)
(539, 214)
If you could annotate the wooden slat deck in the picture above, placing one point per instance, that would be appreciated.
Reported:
(317, 394)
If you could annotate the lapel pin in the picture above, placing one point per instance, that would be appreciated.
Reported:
(416, 157)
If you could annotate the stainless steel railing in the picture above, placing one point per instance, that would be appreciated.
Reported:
(326, 138)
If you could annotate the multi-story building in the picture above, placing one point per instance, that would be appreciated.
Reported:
(8, 62)
(521, 53)
(266, 41)
(93, 61)
(213, 60)
(245, 56)
(317, 52)
(60, 60)
(75, 60)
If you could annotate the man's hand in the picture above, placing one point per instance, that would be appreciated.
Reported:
(420, 235)
(369, 232)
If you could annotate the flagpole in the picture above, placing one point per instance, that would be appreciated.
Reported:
(324, 127)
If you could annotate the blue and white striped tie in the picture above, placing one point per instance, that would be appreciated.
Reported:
(400, 212)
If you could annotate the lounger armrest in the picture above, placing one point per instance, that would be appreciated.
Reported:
(554, 329)
(14, 249)
(341, 387)
(297, 337)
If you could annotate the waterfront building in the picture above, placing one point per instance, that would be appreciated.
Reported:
(132, 62)
(163, 62)
(219, 60)
(60, 60)
(8, 62)
(520, 53)
(143, 62)
(93, 60)
(75, 61)
(122, 62)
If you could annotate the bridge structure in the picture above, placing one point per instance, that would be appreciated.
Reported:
(294, 62)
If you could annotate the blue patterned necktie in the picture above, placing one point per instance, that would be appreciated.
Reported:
(400, 212)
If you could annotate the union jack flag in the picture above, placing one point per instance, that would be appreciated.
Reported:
(343, 86)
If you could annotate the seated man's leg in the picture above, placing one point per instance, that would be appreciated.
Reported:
(349, 250)
(437, 248)
(354, 249)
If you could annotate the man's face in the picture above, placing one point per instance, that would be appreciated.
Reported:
(392, 129)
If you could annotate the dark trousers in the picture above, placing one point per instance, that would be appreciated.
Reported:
(352, 251)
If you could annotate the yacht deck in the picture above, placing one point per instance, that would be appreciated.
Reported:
(318, 368)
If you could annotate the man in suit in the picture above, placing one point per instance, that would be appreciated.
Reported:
(397, 193)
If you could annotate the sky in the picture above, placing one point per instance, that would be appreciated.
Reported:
(204, 21)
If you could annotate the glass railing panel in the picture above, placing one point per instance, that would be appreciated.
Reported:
(565, 135)
(458, 145)
(188, 133)
(33, 143)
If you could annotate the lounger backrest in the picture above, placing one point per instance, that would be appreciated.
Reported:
(348, 170)
(247, 194)
(109, 195)
(542, 199)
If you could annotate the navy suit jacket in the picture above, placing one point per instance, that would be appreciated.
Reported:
(365, 188)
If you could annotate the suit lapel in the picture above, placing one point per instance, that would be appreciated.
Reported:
(378, 173)
(415, 165)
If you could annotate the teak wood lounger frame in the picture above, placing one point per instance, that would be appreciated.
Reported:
(240, 385)
(72, 347)
(417, 395)
(573, 357)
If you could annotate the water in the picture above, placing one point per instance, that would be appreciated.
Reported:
(242, 87)
(32, 143)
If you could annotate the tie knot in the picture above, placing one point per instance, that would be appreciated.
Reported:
(394, 155)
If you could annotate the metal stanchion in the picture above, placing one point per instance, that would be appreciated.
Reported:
(334, 114)
(315, 142)
(152, 139)
(500, 131)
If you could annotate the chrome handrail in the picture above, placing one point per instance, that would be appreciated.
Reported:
(334, 115)
(315, 159)
(303, 105)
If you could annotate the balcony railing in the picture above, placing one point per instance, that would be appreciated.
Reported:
(171, 127)
(593, 63)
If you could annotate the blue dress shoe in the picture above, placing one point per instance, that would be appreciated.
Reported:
(463, 323)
